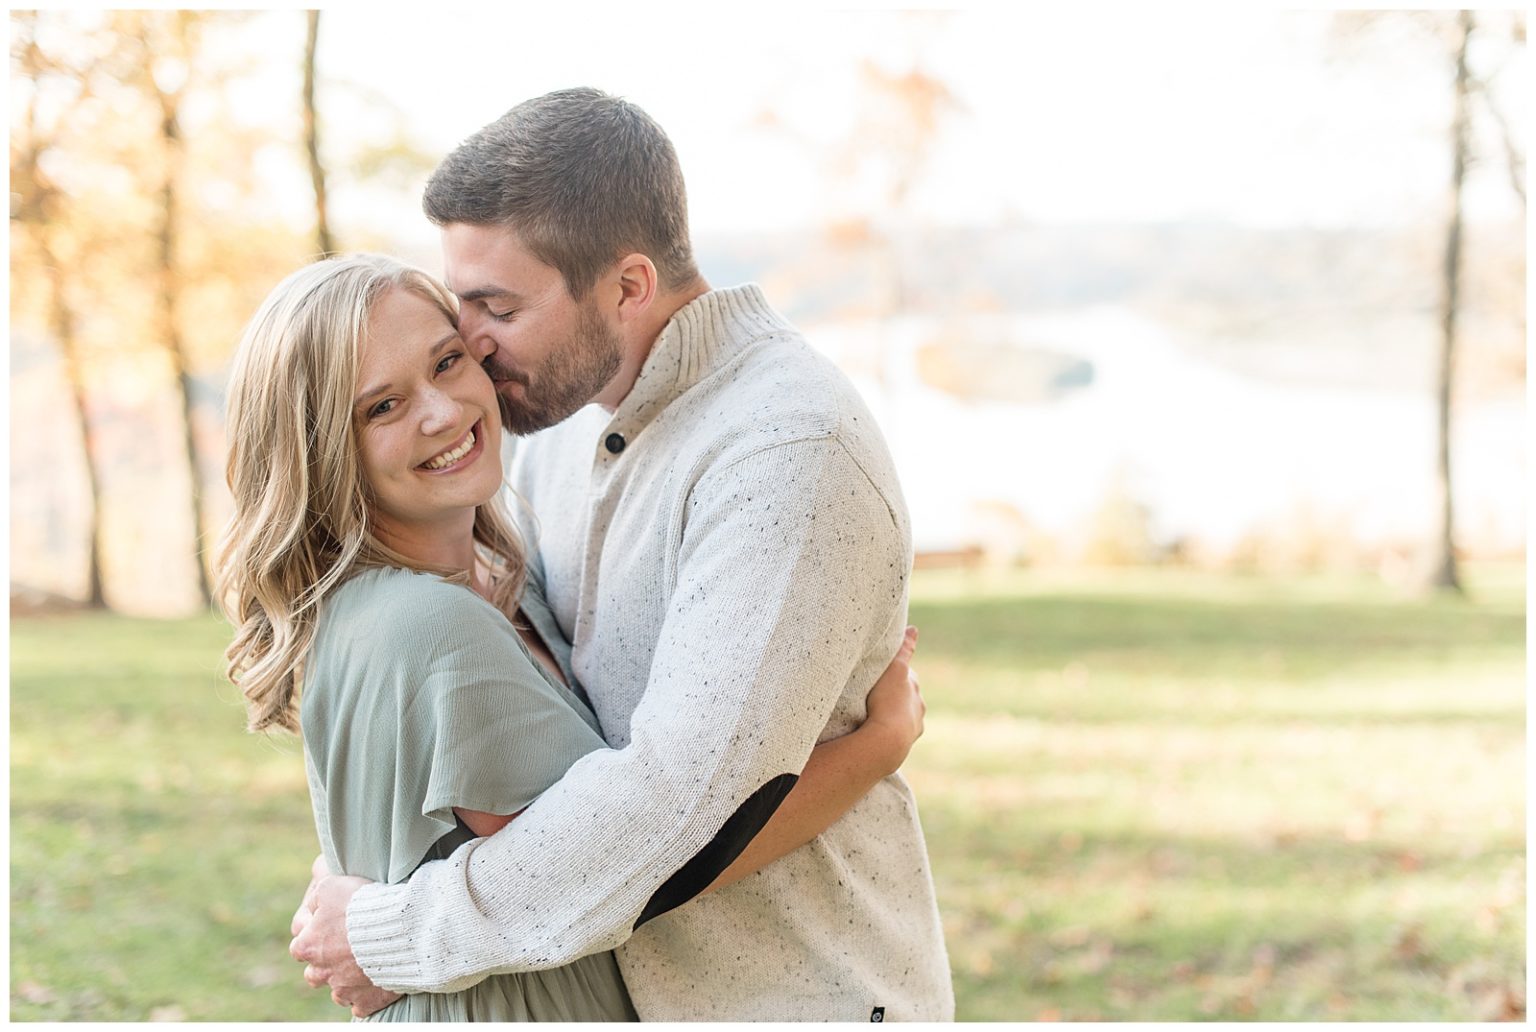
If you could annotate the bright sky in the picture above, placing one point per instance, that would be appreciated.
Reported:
(1257, 118)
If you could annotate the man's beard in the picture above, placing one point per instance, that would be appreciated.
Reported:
(572, 375)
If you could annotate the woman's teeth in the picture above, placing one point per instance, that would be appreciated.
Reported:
(449, 458)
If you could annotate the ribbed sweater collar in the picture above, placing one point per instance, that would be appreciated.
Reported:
(701, 335)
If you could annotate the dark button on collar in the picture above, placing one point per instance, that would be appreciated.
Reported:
(614, 443)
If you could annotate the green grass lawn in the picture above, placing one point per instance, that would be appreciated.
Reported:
(1148, 795)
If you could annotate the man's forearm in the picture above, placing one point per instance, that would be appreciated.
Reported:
(531, 896)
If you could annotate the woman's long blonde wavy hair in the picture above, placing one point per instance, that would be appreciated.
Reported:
(302, 514)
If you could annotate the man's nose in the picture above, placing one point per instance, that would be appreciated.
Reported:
(472, 329)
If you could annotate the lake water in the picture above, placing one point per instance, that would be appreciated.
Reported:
(1213, 454)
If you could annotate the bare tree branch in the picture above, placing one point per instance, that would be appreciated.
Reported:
(1514, 161)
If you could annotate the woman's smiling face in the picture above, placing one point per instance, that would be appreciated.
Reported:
(429, 431)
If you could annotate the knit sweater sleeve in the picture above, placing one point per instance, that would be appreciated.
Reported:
(790, 570)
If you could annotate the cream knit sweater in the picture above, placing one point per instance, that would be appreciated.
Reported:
(728, 551)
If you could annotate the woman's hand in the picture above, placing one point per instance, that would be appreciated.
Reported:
(842, 770)
(317, 871)
(895, 707)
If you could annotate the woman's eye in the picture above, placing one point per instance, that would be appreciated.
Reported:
(501, 316)
(381, 408)
(448, 360)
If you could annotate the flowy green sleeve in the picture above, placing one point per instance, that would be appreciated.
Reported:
(484, 728)
(495, 744)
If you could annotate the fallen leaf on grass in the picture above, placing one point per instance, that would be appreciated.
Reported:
(1077, 935)
(170, 1013)
(1359, 826)
(1461, 979)
(1095, 958)
(1282, 837)
(1049, 1014)
(1409, 945)
(31, 992)
(1503, 1004)
(1263, 965)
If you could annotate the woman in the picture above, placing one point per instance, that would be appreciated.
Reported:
(369, 560)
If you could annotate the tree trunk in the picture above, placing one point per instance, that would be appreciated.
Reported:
(1443, 572)
(312, 137)
(40, 212)
(171, 149)
(62, 321)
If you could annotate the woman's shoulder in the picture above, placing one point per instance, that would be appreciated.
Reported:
(399, 606)
(392, 634)
(389, 586)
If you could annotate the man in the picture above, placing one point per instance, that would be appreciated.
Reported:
(725, 543)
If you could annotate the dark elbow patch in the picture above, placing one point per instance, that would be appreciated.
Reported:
(705, 866)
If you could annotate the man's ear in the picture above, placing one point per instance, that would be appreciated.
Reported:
(638, 286)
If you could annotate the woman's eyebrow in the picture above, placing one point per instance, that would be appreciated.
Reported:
(386, 387)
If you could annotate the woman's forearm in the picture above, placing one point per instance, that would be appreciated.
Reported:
(838, 774)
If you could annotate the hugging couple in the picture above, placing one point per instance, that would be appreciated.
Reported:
(564, 763)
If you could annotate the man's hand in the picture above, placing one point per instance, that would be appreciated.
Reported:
(320, 943)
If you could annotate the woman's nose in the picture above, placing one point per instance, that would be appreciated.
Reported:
(440, 412)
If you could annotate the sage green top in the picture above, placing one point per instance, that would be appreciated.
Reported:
(419, 697)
